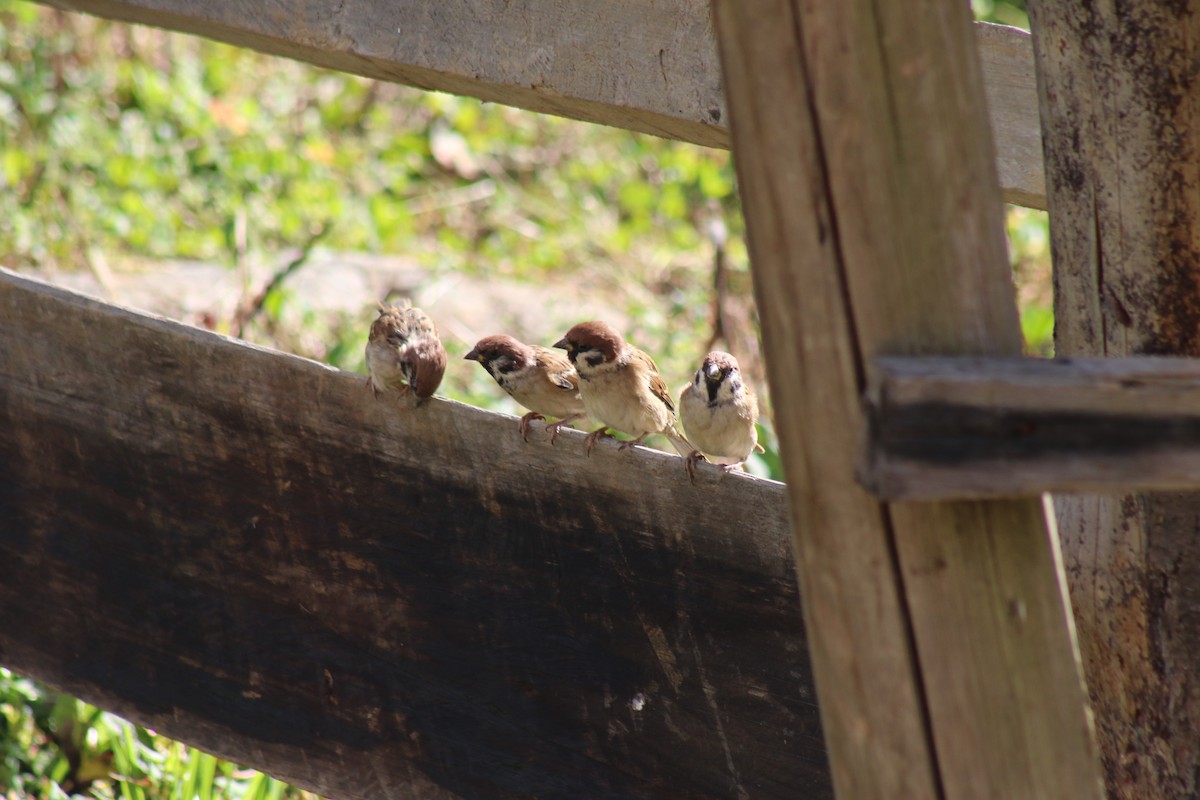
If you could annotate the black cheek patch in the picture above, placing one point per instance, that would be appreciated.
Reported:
(595, 361)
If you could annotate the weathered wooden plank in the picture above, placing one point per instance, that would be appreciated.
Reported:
(1119, 100)
(648, 67)
(940, 635)
(244, 550)
(1010, 83)
(955, 428)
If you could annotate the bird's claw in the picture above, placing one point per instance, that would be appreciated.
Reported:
(689, 464)
(593, 436)
(633, 442)
(554, 428)
(524, 426)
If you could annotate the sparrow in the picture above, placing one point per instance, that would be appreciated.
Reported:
(404, 352)
(719, 413)
(620, 386)
(537, 377)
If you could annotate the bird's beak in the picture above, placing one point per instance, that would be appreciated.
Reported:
(713, 373)
(562, 344)
(473, 356)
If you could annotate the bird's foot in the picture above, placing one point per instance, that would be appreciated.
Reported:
(689, 463)
(524, 426)
(555, 427)
(591, 438)
(633, 442)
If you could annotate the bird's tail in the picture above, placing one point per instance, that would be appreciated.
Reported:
(679, 442)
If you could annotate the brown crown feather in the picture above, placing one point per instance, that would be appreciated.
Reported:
(596, 335)
(489, 348)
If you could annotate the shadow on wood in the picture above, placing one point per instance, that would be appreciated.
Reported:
(244, 550)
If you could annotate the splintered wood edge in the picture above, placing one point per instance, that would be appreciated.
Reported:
(651, 69)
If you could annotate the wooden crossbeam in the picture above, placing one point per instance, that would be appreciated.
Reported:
(945, 428)
(648, 67)
(244, 550)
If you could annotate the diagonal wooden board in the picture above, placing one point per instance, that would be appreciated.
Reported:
(242, 549)
(940, 633)
(647, 67)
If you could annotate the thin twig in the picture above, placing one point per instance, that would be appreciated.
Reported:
(246, 313)
(718, 235)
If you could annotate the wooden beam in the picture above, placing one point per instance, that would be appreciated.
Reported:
(647, 67)
(242, 549)
(1119, 102)
(940, 633)
(955, 428)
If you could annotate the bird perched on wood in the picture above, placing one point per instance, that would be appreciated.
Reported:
(719, 413)
(404, 352)
(538, 378)
(620, 386)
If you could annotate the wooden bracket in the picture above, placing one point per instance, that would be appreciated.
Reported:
(946, 428)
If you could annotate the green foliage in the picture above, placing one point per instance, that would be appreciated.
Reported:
(103, 147)
(1004, 12)
(1029, 251)
(54, 746)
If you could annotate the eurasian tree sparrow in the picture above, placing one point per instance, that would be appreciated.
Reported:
(620, 386)
(719, 413)
(537, 377)
(404, 352)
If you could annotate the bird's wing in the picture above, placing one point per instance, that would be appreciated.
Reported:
(657, 385)
(557, 368)
(425, 365)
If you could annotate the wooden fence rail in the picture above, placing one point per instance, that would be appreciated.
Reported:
(649, 67)
(243, 550)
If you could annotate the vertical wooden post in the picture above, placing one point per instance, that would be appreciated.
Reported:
(1120, 100)
(940, 636)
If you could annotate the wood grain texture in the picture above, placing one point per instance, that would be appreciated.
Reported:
(860, 644)
(647, 67)
(956, 428)
(1119, 98)
(940, 635)
(244, 550)
(1010, 83)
